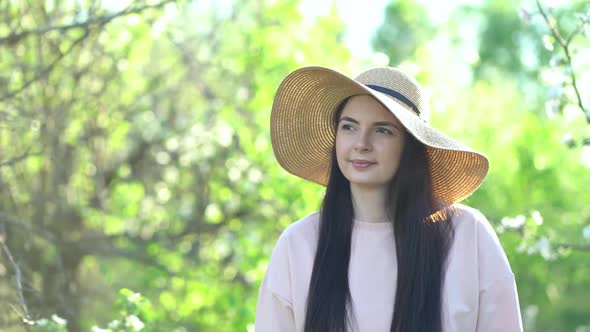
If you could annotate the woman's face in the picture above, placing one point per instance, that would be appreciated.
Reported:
(369, 142)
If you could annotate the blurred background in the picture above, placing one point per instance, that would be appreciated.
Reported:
(138, 188)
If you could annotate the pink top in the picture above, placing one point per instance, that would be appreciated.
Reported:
(479, 290)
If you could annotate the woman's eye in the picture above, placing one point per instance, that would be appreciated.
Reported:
(384, 131)
(346, 127)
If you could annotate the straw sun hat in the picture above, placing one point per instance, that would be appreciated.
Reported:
(303, 133)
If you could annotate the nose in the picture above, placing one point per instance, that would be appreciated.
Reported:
(363, 141)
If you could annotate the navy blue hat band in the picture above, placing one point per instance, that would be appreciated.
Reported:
(395, 95)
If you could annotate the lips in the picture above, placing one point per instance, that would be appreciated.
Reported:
(362, 163)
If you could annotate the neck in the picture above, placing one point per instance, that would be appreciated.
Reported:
(369, 203)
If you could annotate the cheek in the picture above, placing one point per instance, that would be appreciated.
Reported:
(393, 157)
(340, 154)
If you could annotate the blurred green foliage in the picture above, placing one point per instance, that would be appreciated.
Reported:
(488, 70)
(135, 152)
(134, 309)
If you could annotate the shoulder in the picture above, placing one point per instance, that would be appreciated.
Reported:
(467, 214)
(474, 235)
(292, 255)
(469, 219)
(302, 229)
(300, 234)
(471, 222)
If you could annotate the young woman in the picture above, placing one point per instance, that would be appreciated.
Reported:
(391, 248)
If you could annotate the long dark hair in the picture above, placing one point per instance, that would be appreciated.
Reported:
(423, 234)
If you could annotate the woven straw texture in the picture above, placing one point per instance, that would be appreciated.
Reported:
(303, 133)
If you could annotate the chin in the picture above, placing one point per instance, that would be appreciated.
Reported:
(367, 183)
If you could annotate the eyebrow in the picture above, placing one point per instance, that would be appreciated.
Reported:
(378, 123)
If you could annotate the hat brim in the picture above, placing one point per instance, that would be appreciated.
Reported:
(303, 132)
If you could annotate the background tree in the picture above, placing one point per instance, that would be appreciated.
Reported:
(135, 154)
(488, 71)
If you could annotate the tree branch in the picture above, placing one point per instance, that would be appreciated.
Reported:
(96, 21)
(134, 256)
(101, 245)
(574, 246)
(15, 160)
(565, 44)
(38, 230)
(46, 70)
(86, 25)
(18, 278)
